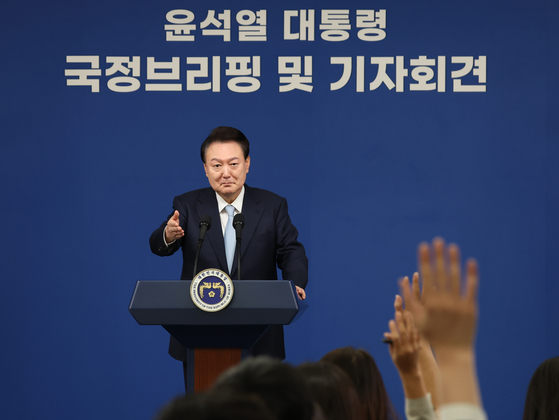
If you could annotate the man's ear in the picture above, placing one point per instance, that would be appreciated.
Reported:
(247, 163)
(206, 170)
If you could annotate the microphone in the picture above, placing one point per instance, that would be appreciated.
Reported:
(238, 224)
(205, 224)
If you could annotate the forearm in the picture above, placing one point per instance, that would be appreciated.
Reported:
(430, 371)
(295, 268)
(290, 253)
(458, 376)
(413, 384)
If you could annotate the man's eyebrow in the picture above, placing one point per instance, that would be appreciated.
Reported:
(227, 160)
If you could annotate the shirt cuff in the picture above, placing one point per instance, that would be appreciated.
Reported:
(461, 411)
(164, 240)
(420, 408)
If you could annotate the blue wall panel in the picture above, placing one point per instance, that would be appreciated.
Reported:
(86, 176)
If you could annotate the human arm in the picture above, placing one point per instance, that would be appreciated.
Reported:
(173, 230)
(404, 351)
(290, 253)
(167, 238)
(427, 362)
(448, 319)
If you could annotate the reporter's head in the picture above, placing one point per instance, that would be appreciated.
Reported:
(279, 385)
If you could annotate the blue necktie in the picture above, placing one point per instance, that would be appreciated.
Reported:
(230, 237)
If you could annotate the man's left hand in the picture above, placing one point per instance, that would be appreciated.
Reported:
(301, 293)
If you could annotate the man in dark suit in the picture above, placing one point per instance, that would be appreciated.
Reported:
(269, 238)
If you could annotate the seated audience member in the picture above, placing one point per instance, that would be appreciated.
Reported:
(216, 406)
(332, 390)
(279, 385)
(542, 397)
(190, 406)
(363, 371)
(447, 317)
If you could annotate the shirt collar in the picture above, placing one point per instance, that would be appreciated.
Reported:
(238, 203)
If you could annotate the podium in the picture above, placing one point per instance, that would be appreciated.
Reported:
(215, 340)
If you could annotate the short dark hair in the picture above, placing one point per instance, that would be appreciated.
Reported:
(223, 134)
(207, 405)
(541, 397)
(279, 385)
(190, 405)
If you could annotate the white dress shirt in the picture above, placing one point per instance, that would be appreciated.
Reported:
(221, 204)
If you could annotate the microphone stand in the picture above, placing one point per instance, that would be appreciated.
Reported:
(239, 258)
(238, 224)
(198, 247)
(205, 224)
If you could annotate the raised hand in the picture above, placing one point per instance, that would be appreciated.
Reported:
(447, 316)
(427, 363)
(444, 315)
(404, 349)
(173, 230)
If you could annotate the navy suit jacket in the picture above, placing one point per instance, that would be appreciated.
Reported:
(269, 239)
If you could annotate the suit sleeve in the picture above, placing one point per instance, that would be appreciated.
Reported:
(291, 257)
(156, 241)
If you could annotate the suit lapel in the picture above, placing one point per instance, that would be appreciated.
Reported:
(207, 204)
(252, 210)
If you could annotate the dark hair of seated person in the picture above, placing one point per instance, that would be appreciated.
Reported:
(362, 369)
(542, 397)
(279, 385)
(228, 405)
(332, 390)
(189, 406)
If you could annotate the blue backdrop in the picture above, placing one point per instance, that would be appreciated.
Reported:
(373, 159)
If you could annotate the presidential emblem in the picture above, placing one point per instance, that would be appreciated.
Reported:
(211, 290)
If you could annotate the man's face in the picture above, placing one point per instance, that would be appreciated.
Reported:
(226, 168)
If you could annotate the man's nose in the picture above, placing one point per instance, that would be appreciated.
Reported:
(226, 173)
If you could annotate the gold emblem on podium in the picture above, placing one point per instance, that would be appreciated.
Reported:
(211, 290)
